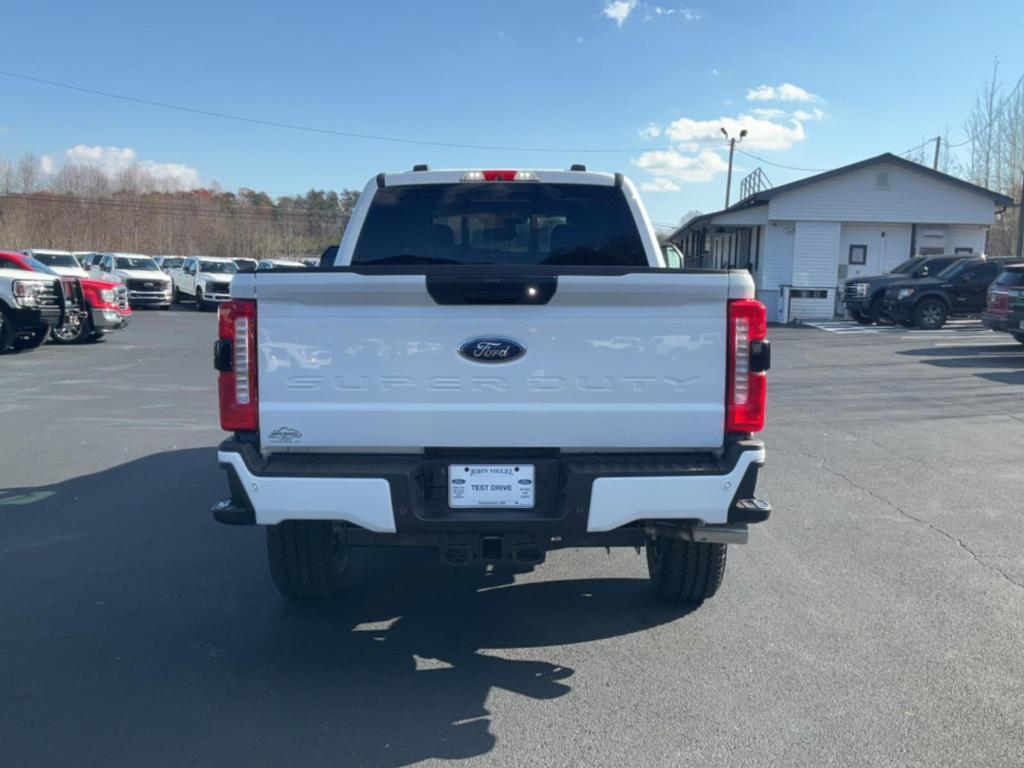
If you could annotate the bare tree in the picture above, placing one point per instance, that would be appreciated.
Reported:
(79, 207)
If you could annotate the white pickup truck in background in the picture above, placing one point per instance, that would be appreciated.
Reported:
(206, 280)
(498, 364)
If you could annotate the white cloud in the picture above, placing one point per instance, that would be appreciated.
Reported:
(652, 131)
(784, 92)
(761, 133)
(687, 14)
(113, 160)
(673, 166)
(805, 116)
(660, 184)
(714, 72)
(618, 10)
(47, 164)
(696, 151)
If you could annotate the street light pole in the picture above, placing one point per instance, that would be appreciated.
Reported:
(732, 148)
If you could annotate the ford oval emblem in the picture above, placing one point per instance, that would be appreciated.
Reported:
(492, 349)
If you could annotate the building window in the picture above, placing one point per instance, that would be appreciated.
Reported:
(963, 250)
(882, 180)
(858, 254)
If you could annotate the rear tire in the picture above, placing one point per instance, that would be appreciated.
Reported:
(685, 571)
(306, 558)
(930, 314)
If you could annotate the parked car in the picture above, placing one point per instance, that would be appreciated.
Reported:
(863, 296)
(266, 264)
(33, 299)
(81, 257)
(105, 308)
(147, 285)
(168, 264)
(204, 279)
(62, 262)
(90, 261)
(960, 289)
(246, 265)
(1005, 310)
(507, 434)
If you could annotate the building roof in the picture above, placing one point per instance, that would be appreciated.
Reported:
(762, 198)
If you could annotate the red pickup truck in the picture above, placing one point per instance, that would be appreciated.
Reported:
(104, 306)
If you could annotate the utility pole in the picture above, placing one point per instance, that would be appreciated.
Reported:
(1020, 218)
(732, 148)
(935, 162)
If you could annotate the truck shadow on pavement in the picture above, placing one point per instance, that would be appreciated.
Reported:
(139, 632)
(1009, 358)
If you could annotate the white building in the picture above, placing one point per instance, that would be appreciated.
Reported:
(802, 240)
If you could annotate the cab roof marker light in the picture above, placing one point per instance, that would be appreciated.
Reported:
(477, 176)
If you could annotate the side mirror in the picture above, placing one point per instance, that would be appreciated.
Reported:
(924, 272)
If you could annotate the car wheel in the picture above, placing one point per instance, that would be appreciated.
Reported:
(862, 317)
(75, 331)
(175, 295)
(32, 339)
(6, 332)
(930, 315)
(685, 571)
(306, 558)
(200, 302)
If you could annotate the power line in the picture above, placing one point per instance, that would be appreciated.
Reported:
(995, 114)
(926, 141)
(314, 129)
(780, 165)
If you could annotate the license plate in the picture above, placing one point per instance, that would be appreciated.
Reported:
(490, 485)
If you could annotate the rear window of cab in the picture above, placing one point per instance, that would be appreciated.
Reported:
(515, 223)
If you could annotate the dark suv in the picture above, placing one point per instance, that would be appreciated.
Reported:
(863, 296)
(960, 289)
(1005, 310)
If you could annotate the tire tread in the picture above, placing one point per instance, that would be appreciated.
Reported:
(690, 572)
(301, 558)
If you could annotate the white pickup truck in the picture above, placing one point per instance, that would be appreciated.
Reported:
(496, 365)
(206, 280)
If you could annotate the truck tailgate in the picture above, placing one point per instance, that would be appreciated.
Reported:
(351, 361)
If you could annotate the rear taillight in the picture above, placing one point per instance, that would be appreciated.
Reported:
(749, 357)
(998, 301)
(235, 358)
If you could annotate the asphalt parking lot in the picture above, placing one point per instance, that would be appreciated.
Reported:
(877, 619)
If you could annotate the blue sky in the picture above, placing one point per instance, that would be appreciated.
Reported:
(818, 84)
